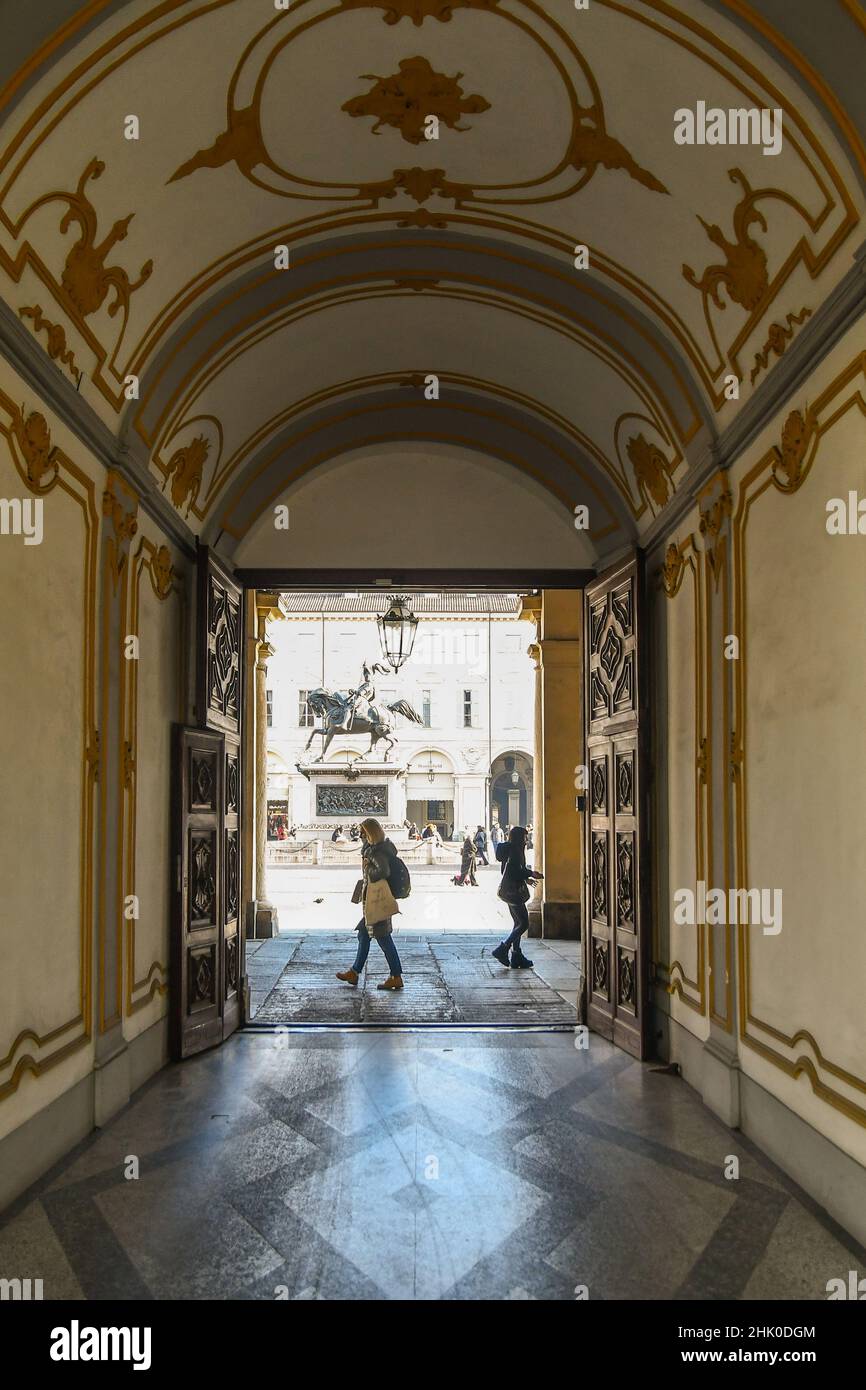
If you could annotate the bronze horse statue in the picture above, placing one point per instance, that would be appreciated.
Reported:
(332, 707)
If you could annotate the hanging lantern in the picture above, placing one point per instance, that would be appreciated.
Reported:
(397, 632)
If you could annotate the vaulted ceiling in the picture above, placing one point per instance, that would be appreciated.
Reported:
(259, 127)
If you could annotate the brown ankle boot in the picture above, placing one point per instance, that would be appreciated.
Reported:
(350, 976)
(392, 982)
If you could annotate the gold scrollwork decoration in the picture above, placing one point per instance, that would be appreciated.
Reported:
(418, 10)
(779, 336)
(86, 278)
(41, 459)
(797, 433)
(701, 762)
(591, 146)
(671, 572)
(408, 98)
(712, 520)
(735, 757)
(57, 347)
(128, 764)
(162, 573)
(124, 523)
(185, 468)
(651, 469)
(744, 273)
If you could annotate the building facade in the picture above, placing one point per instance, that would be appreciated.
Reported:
(469, 679)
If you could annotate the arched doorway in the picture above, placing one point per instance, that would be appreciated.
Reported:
(511, 796)
(430, 790)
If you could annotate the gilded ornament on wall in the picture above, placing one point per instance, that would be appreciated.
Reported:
(184, 469)
(744, 274)
(591, 146)
(671, 573)
(418, 10)
(407, 98)
(56, 347)
(797, 433)
(713, 519)
(40, 457)
(86, 278)
(162, 572)
(122, 512)
(651, 469)
(779, 336)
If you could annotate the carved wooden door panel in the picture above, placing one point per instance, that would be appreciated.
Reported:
(219, 699)
(207, 936)
(196, 935)
(616, 950)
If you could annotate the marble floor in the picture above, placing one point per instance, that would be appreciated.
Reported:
(427, 1165)
(448, 978)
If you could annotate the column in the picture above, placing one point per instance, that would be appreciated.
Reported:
(266, 921)
(530, 609)
(562, 750)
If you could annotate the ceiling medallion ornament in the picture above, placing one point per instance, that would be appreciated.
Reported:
(744, 273)
(403, 101)
(418, 10)
(408, 98)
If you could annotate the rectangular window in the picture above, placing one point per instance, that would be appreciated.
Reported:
(269, 704)
(426, 708)
(468, 709)
(306, 718)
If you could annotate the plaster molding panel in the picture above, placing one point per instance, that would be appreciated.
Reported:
(798, 795)
(49, 753)
(679, 951)
(154, 700)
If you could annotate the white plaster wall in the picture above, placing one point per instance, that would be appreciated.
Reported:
(423, 509)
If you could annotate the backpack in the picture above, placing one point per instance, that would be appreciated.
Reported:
(401, 883)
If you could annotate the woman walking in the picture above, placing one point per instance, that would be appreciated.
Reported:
(467, 863)
(514, 891)
(377, 857)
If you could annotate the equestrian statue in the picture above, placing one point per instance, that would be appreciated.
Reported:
(356, 712)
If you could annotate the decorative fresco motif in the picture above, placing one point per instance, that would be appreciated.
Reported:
(408, 98)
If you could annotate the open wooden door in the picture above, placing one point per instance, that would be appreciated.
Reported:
(208, 970)
(616, 951)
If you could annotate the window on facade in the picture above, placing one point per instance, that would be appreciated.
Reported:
(426, 708)
(306, 718)
(269, 706)
(469, 710)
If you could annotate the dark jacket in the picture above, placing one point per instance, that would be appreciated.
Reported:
(468, 858)
(481, 842)
(375, 864)
(514, 871)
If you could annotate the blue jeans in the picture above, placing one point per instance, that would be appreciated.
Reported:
(386, 941)
(520, 918)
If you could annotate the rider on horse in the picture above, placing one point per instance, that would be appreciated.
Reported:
(359, 702)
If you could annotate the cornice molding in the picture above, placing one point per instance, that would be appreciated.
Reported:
(843, 307)
(28, 357)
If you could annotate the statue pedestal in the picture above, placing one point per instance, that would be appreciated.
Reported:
(346, 796)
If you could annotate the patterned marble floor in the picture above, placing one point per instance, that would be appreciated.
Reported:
(448, 978)
(419, 1166)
